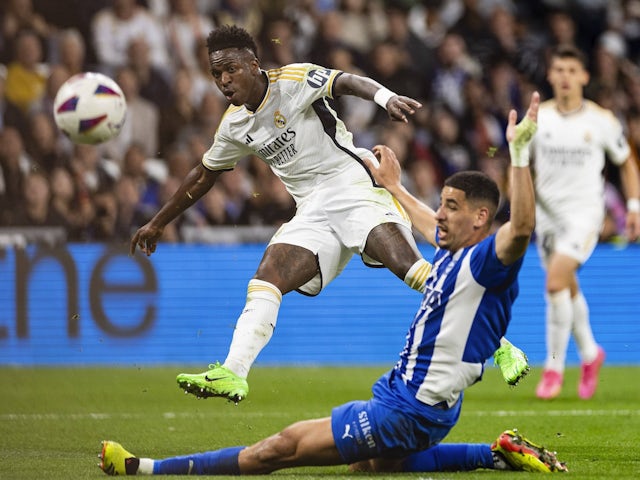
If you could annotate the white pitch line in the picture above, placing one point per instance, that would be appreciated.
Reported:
(243, 414)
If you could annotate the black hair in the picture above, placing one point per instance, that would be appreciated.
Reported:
(231, 36)
(477, 186)
(569, 51)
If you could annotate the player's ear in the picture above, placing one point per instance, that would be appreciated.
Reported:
(255, 66)
(585, 77)
(482, 216)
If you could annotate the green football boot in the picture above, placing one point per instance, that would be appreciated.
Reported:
(512, 361)
(218, 381)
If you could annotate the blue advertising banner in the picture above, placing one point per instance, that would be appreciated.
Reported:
(90, 304)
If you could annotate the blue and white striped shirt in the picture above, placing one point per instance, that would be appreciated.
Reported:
(465, 311)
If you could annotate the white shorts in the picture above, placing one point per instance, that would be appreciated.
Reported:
(334, 223)
(574, 235)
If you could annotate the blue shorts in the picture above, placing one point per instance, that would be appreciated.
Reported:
(379, 429)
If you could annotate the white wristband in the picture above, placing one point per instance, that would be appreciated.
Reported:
(383, 96)
(519, 155)
(633, 205)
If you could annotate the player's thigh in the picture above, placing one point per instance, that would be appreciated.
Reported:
(561, 273)
(393, 245)
(287, 266)
(574, 237)
(356, 212)
(312, 232)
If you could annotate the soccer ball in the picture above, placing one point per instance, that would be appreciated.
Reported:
(90, 108)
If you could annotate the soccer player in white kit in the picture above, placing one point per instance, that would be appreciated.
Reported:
(283, 116)
(569, 150)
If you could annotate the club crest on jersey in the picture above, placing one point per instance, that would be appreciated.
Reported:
(279, 120)
(317, 78)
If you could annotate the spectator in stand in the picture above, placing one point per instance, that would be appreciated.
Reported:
(452, 151)
(454, 66)
(482, 130)
(419, 55)
(271, 204)
(473, 27)
(179, 161)
(389, 66)
(243, 13)
(363, 24)
(42, 145)
(136, 168)
(177, 114)
(141, 124)
(424, 184)
(430, 20)
(171, 234)
(91, 171)
(201, 75)
(278, 40)
(238, 191)
(72, 51)
(186, 28)
(103, 227)
(35, 209)
(356, 113)
(504, 89)
(153, 83)
(114, 27)
(77, 212)
(327, 38)
(14, 165)
(26, 74)
(19, 15)
(212, 210)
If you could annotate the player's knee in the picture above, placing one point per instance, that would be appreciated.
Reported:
(277, 449)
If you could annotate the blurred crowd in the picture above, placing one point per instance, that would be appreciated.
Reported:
(467, 61)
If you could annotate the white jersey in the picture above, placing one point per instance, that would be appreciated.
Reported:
(295, 131)
(569, 157)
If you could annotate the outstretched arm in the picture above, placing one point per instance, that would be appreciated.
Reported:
(387, 175)
(631, 187)
(513, 237)
(397, 106)
(197, 182)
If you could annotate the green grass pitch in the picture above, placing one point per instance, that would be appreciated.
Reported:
(53, 419)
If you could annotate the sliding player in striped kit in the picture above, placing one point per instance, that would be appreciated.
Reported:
(569, 157)
(464, 312)
(283, 116)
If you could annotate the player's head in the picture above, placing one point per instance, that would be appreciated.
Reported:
(234, 65)
(468, 205)
(231, 36)
(567, 73)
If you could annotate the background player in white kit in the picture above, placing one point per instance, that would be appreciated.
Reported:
(283, 116)
(569, 157)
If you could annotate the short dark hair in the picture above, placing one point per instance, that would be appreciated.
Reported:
(569, 51)
(477, 186)
(231, 36)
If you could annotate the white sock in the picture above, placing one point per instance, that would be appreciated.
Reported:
(417, 275)
(559, 320)
(254, 326)
(145, 467)
(587, 346)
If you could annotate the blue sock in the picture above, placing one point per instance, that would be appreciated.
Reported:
(450, 457)
(217, 462)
